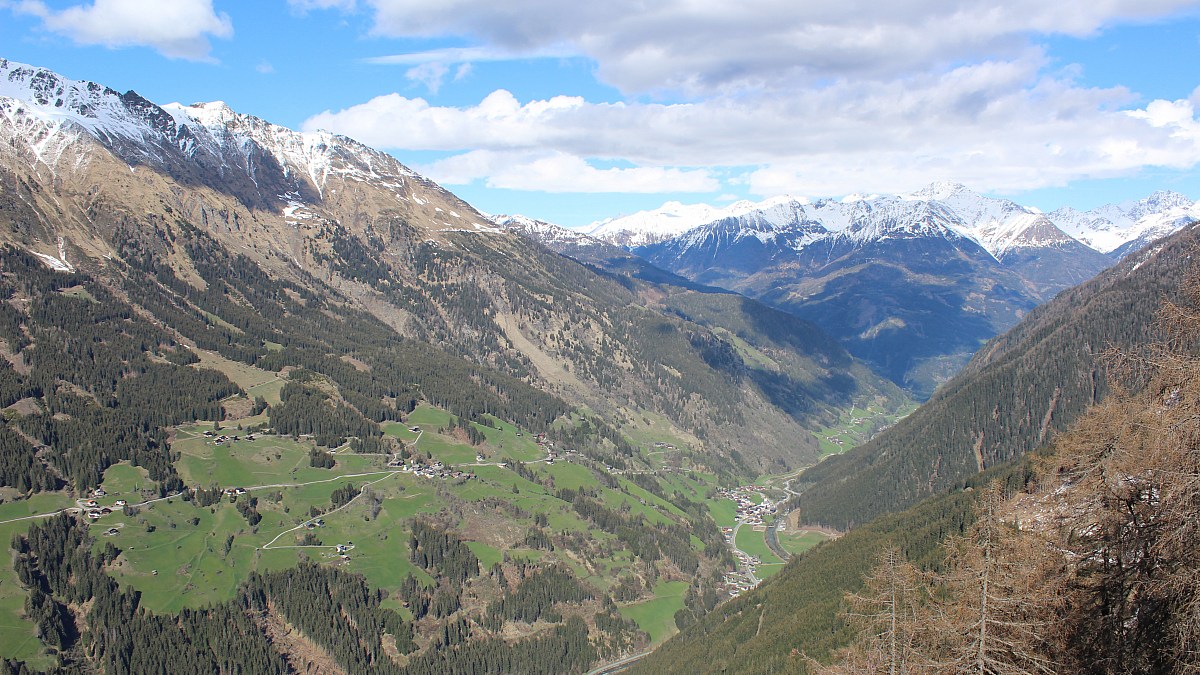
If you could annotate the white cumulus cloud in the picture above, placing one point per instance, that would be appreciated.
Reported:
(175, 28)
(559, 172)
(996, 125)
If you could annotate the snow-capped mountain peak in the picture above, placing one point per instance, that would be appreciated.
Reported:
(34, 96)
(674, 218)
(938, 191)
(540, 230)
(1120, 227)
(1157, 202)
(56, 112)
(893, 218)
(210, 114)
(58, 125)
(1022, 231)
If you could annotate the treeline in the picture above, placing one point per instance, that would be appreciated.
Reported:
(170, 395)
(595, 438)
(564, 649)
(700, 523)
(439, 551)
(306, 410)
(316, 331)
(101, 396)
(85, 439)
(19, 465)
(334, 609)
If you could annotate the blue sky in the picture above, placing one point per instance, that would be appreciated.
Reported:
(572, 113)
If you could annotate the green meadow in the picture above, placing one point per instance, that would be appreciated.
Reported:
(858, 425)
(754, 542)
(799, 542)
(656, 616)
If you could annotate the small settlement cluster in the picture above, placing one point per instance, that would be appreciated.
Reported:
(222, 439)
(94, 510)
(751, 514)
(434, 470)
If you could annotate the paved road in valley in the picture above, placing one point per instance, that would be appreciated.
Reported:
(618, 666)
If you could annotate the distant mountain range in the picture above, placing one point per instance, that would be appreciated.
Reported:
(995, 224)
(912, 283)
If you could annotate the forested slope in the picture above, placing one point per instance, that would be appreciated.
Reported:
(796, 613)
(1078, 559)
(175, 191)
(1092, 569)
(1018, 391)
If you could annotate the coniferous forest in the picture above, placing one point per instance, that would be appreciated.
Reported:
(1092, 568)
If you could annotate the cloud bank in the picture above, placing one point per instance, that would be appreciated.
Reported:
(823, 97)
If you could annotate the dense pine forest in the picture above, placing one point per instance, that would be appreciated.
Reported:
(1092, 569)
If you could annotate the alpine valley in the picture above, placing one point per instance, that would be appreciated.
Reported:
(912, 284)
(275, 403)
(286, 379)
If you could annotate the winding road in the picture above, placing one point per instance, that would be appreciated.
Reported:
(749, 569)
